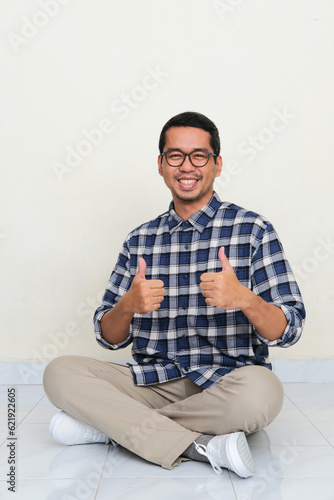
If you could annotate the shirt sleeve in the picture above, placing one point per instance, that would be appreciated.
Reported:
(119, 283)
(273, 280)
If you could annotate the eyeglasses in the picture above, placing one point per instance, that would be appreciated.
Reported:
(198, 157)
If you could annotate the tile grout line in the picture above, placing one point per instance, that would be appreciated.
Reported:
(31, 409)
(310, 421)
(101, 475)
(233, 488)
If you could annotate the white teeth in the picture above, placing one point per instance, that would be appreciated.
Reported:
(187, 181)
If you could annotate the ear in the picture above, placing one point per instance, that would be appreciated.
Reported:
(219, 165)
(160, 158)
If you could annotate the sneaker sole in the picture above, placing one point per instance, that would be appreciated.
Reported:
(239, 455)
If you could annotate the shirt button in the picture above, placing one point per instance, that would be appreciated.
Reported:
(184, 307)
(186, 247)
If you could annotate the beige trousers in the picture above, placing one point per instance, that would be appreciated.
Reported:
(159, 422)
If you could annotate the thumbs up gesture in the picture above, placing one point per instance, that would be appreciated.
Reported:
(222, 289)
(145, 295)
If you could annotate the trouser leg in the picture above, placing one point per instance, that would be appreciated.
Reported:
(247, 399)
(103, 395)
(159, 422)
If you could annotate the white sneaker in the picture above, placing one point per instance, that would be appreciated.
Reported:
(229, 451)
(67, 430)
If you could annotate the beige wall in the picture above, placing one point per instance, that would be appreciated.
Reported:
(262, 70)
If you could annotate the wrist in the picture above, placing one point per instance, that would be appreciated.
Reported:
(126, 304)
(248, 299)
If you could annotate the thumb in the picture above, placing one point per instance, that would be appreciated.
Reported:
(226, 266)
(141, 268)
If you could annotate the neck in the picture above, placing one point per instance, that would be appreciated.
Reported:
(186, 209)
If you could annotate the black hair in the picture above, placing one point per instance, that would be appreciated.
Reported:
(192, 119)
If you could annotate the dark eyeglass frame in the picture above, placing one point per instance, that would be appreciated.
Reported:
(188, 154)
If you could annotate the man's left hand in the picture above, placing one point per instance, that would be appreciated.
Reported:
(222, 289)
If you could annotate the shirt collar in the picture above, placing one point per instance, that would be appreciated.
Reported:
(199, 220)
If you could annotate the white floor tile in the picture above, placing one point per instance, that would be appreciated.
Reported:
(315, 393)
(33, 388)
(3, 434)
(4, 467)
(33, 436)
(319, 413)
(283, 433)
(28, 395)
(279, 488)
(294, 461)
(50, 489)
(45, 402)
(287, 401)
(57, 462)
(167, 488)
(30, 389)
(20, 415)
(40, 414)
(290, 413)
(311, 394)
(26, 398)
(21, 372)
(327, 430)
(294, 458)
(316, 401)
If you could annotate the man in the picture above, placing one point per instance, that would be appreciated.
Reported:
(200, 292)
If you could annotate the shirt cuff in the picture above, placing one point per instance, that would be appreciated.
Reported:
(290, 335)
(102, 341)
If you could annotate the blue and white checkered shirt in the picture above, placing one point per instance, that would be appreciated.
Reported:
(186, 337)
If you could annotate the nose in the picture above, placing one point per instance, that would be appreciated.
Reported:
(187, 165)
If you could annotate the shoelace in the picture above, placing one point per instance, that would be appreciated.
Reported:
(202, 450)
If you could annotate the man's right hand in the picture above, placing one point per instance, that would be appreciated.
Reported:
(144, 295)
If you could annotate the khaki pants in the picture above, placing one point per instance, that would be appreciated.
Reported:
(159, 422)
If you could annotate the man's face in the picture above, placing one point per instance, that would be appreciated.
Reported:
(189, 185)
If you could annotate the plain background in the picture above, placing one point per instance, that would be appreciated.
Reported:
(262, 70)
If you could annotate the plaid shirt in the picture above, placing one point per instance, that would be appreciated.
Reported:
(186, 337)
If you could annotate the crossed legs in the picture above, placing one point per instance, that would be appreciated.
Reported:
(159, 422)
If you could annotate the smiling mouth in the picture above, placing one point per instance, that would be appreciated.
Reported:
(188, 182)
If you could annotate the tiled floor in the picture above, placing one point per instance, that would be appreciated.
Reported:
(294, 458)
